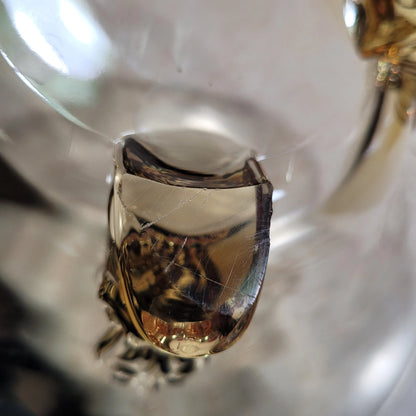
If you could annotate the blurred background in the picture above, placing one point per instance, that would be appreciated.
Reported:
(334, 331)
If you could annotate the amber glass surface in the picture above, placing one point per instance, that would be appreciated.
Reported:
(188, 250)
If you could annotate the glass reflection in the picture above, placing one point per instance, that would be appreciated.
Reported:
(34, 39)
(382, 369)
(350, 14)
(64, 35)
(81, 26)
